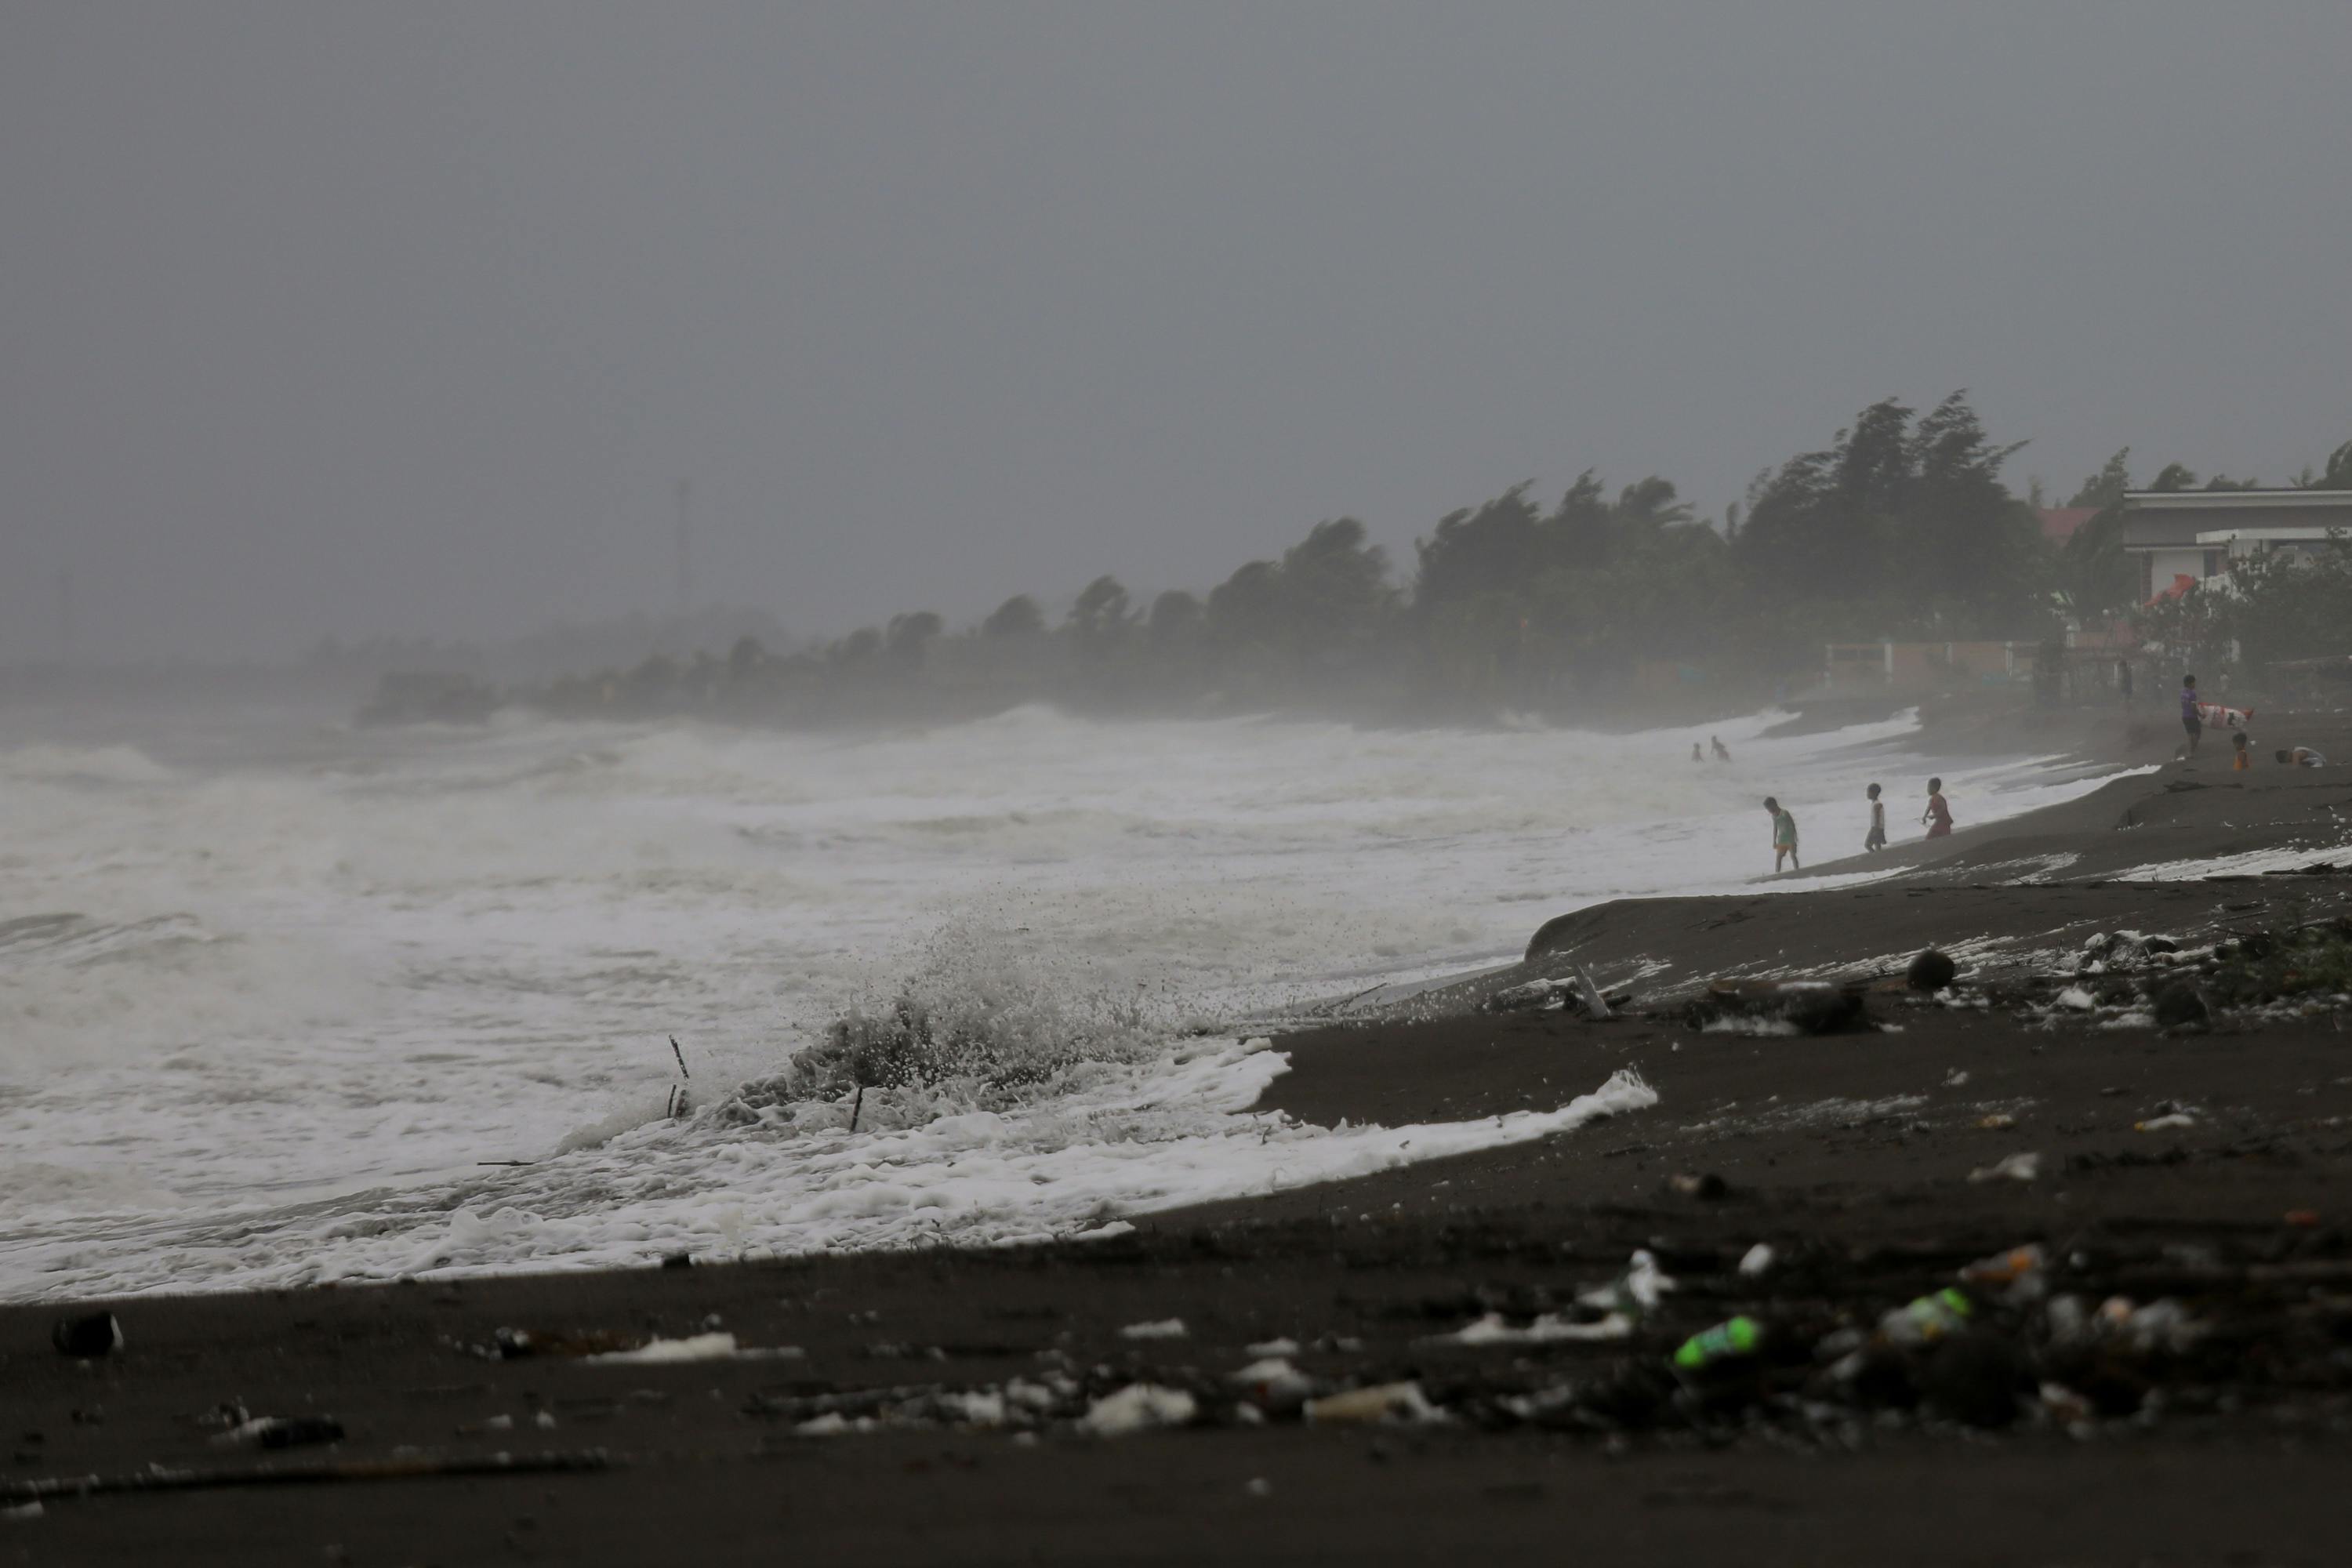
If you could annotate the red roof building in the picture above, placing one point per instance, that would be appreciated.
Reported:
(2058, 523)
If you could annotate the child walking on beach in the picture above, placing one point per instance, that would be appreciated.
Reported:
(1938, 814)
(1876, 838)
(1784, 836)
(2244, 761)
(2191, 719)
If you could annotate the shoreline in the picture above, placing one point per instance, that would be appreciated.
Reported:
(1850, 1154)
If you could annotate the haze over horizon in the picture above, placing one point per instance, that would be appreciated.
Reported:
(359, 320)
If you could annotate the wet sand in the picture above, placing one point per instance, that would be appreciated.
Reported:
(1849, 1155)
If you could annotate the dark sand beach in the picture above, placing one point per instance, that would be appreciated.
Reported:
(2188, 1181)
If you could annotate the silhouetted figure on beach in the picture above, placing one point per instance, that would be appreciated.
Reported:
(2191, 719)
(1784, 836)
(1938, 814)
(1694, 756)
(1876, 837)
(2124, 680)
(1722, 752)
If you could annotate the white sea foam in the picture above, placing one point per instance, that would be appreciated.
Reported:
(313, 977)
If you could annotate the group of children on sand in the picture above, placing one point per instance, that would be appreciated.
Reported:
(2241, 759)
(1937, 819)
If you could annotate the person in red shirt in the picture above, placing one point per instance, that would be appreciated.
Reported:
(1938, 814)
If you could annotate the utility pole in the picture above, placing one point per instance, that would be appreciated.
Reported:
(685, 548)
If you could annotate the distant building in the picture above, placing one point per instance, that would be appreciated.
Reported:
(2183, 538)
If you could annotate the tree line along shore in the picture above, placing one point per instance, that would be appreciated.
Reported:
(1902, 527)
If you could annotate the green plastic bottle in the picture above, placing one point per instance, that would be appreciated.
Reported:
(1740, 1337)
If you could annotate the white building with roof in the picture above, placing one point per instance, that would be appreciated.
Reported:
(2181, 538)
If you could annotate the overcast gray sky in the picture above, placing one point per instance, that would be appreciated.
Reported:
(404, 316)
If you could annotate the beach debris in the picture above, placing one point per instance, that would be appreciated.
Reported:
(1534, 995)
(1138, 1407)
(1757, 1261)
(1166, 1329)
(515, 1344)
(1707, 1186)
(1807, 1006)
(1548, 1328)
(1282, 1345)
(2015, 1276)
(1633, 1292)
(280, 1432)
(1595, 1004)
(2013, 1168)
(1725, 1342)
(1927, 1318)
(91, 1335)
(2182, 1006)
(1996, 1121)
(1275, 1385)
(669, 1352)
(404, 1467)
(2169, 1118)
(1401, 1402)
(1931, 970)
(1577, 991)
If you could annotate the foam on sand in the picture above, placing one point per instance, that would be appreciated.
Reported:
(1121, 1137)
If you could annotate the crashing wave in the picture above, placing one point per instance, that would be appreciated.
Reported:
(981, 1024)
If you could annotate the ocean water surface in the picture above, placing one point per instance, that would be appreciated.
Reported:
(275, 992)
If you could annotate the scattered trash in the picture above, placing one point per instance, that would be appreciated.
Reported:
(2165, 1124)
(87, 1337)
(1927, 1318)
(1275, 1387)
(1757, 1261)
(1138, 1407)
(1807, 1006)
(1996, 1121)
(1931, 971)
(666, 1352)
(2016, 1276)
(515, 1344)
(2074, 996)
(1708, 1187)
(1381, 1402)
(1275, 1347)
(1595, 1006)
(1633, 1292)
(1549, 1328)
(1258, 1486)
(2015, 1168)
(280, 1432)
(1166, 1329)
(1739, 1337)
(23, 1510)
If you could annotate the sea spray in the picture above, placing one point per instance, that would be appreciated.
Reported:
(983, 1020)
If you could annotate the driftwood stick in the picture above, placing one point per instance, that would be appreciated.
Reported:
(681, 1056)
(855, 1106)
(316, 1472)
